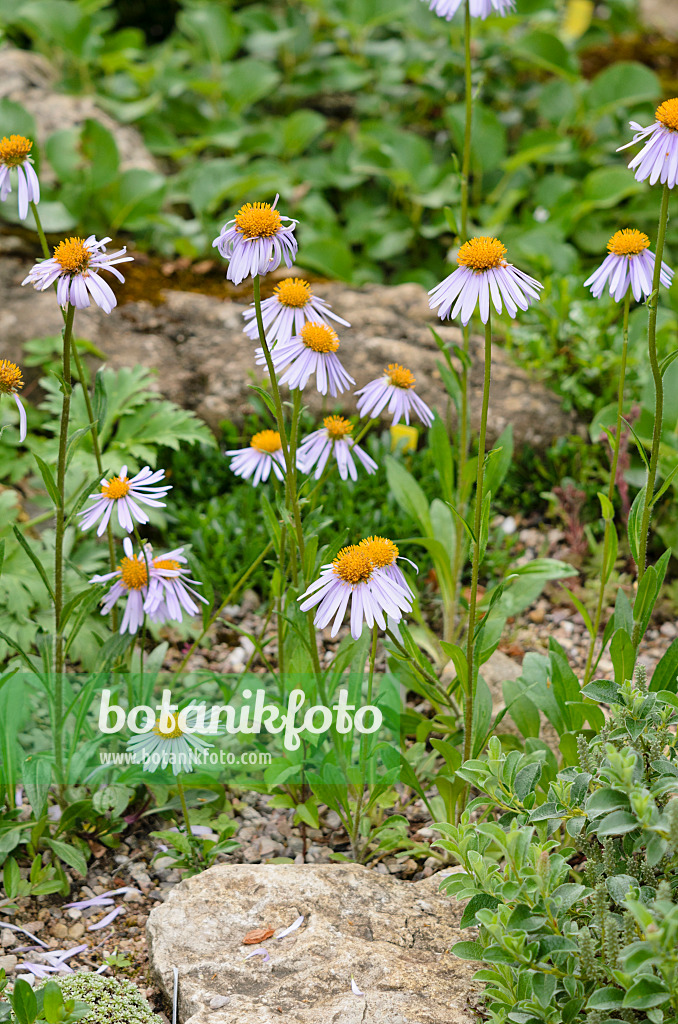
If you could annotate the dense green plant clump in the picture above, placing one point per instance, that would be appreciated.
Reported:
(575, 885)
(110, 1001)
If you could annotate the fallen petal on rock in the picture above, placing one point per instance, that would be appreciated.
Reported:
(292, 928)
(354, 988)
(259, 952)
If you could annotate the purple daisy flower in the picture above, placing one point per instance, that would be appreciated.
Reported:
(263, 455)
(256, 241)
(393, 391)
(287, 310)
(75, 269)
(629, 263)
(15, 152)
(333, 439)
(354, 576)
(479, 8)
(10, 382)
(169, 593)
(131, 581)
(658, 159)
(122, 493)
(483, 273)
(312, 352)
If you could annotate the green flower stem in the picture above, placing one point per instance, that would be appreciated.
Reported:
(227, 600)
(59, 540)
(464, 438)
(468, 121)
(475, 565)
(290, 480)
(658, 386)
(280, 421)
(355, 829)
(96, 447)
(184, 806)
(612, 486)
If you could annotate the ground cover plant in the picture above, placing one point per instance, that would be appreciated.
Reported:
(569, 847)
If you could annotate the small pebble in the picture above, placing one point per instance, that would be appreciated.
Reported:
(218, 1001)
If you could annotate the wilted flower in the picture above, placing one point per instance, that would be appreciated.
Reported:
(256, 241)
(172, 745)
(353, 576)
(333, 439)
(75, 268)
(287, 310)
(10, 382)
(15, 152)
(169, 593)
(264, 454)
(123, 494)
(393, 391)
(479, 8)
(312, 352)
(483, 272)
(658, 159)
(629, 262)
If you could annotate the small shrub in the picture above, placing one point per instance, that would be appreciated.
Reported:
(588, 931)
(110, 1001)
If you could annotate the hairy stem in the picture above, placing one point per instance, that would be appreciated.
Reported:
(611, 488)
(475, 565)
(658, 386)
(59, 539)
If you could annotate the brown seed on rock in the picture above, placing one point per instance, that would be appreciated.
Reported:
(257, 935)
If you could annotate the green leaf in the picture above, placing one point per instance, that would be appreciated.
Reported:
(34, 559)
(526, 780)
(623, 655)
(618, 886)
(467, 950)
(69, 855)
(408, 494)
(617, 824)
(546, 51)
(37, 777)
(606, 998)
(24, 1003)
(665, 675)
(11, 877)
(49, 481)
(481, 901)
(648, 991)
(52, 1003)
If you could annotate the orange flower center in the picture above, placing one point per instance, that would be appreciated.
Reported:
(10, 377)
(667, 114)
(14, 150)
(380, 550)
(353, 565)
(481, 254)
(319, 337)
(628, 242)
(399, 376)
(73, 255)
(293, 291)
(337, 427)
(166, 563)
(257, 220)
(116, 487)
(174, 733)
(133, 573)
(266, 441)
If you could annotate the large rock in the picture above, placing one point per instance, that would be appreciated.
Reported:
(28, 78)
(205, 362)
(391, 936)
